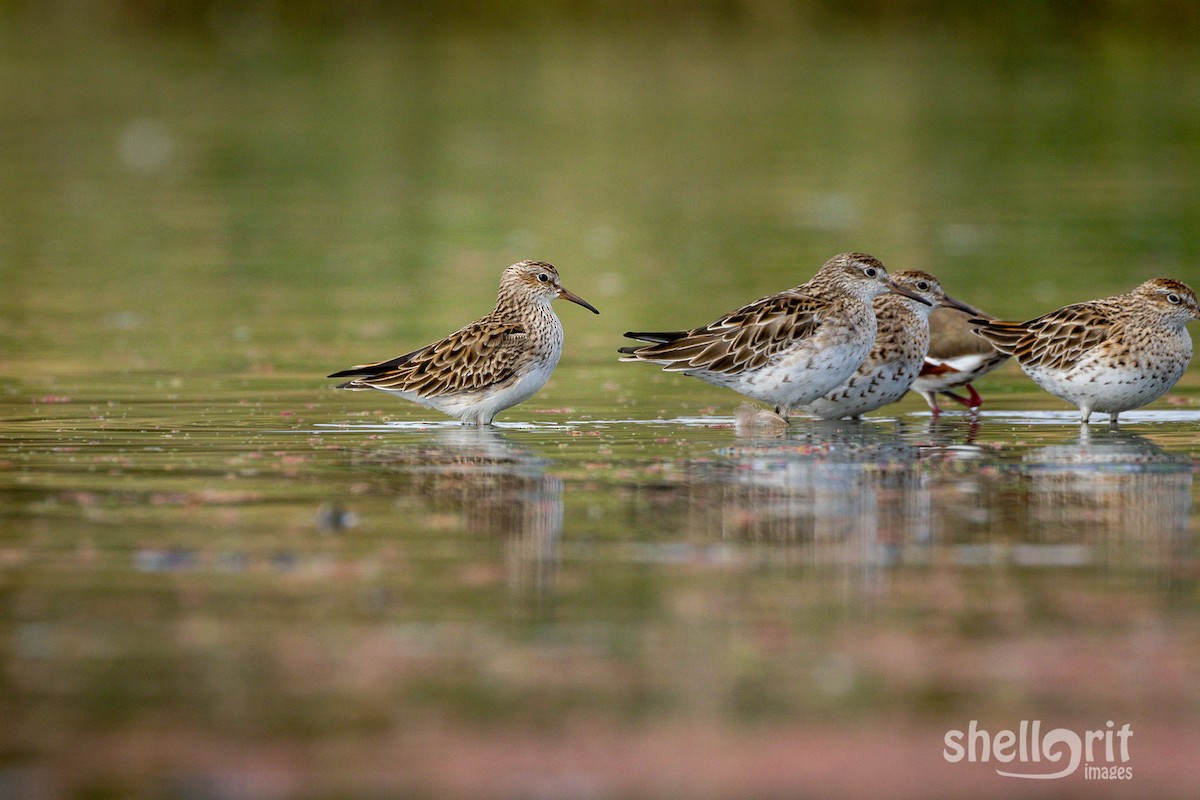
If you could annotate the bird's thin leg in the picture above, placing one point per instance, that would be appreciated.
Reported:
(931, 399)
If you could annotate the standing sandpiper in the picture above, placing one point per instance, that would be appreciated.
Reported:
(786, 349)
(1107, 355)
(956, 357)
(492, 364)
(895, 360)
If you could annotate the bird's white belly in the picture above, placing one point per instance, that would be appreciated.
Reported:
(867, 391)
(802, 375)
(482, 406)
(1110, 389)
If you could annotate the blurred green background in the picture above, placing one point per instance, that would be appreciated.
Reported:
(305, 183)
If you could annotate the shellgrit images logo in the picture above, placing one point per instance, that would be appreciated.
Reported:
(1057, 753)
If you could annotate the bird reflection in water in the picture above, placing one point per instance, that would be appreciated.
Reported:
(1110, 498)
(865, 496)
(501, 490)
(847, 496)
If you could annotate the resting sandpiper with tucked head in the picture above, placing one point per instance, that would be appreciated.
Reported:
(786, 349)
(956, 357)
(1108, 355)
(901, 340)
(487, 366)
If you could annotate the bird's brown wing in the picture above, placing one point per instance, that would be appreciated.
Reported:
(482, 354)
(1056, 340)
(744, 339)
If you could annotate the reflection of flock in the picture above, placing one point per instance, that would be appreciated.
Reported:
(851, 497)
(846, 493)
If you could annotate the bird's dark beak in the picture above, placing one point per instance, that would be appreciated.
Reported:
(574, 298)
(950, 302)
(898, 289)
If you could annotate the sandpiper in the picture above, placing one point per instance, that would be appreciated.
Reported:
(1107, 355)
(786, 349)
(492, 364)
(956, 357)
(895, 360)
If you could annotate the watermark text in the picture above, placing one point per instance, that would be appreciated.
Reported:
(1057, 753)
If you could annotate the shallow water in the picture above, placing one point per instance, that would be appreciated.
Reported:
(298, 573)
(219, 577)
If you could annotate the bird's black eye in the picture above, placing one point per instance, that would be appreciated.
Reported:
(871, 272)
(543, 277)
(923, 286)
(1173, 298)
